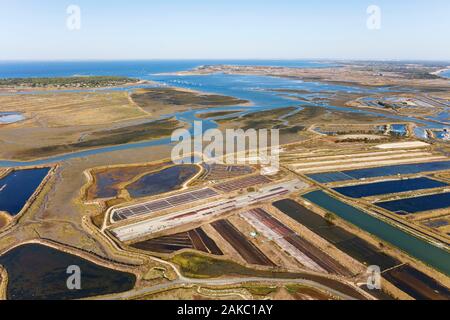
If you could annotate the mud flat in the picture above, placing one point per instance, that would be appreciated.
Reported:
(376, 74)
(215, 114)
(4, 219)
(37, 272)
(57, 109)
(70, 122)
(59, 121)
(158, 101)
(120, 136)
(420, 105)
(257, 120)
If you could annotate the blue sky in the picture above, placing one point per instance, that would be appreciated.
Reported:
(224, 29)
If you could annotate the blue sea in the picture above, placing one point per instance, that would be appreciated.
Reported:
(138, 69)
(445, 74)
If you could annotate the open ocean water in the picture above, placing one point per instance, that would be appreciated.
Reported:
(139, 69)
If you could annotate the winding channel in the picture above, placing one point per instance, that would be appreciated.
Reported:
(259, 90)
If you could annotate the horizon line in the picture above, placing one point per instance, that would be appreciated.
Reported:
(229, 59)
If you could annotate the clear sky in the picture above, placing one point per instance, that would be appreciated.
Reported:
(224, 29)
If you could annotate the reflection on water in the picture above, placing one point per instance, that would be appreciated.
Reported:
(37, 272)
(10, 117)
(445, 74)
(417, 204)
(163, 181)
(387, 187)
(17, 187)
(399, 129)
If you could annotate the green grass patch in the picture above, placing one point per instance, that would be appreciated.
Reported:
(195, 265)
(208, 115)
(294, 288)
(260, 290)
(82, 82)
(267, 119)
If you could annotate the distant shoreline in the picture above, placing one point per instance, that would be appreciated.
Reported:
(43, 89)
(77, 82)
(439, 72)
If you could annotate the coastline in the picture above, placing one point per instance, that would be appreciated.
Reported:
(440, 71)
(30, 90)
